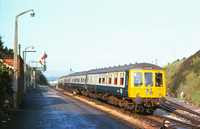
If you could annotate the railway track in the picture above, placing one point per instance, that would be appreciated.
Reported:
(174, 123)
(132, 119)
(191, 118)
(176, 106)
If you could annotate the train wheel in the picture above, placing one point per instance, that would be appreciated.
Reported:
(140, 109)
(120, 103)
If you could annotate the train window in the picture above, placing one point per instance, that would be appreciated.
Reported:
(138, 79)
(115, 81)
(149, 79)
(78, 80)
(99, 80)
(158, 80)
(103, 80)
(121, 81)
(109, 80)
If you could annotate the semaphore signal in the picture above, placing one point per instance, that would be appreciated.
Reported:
(43, 57)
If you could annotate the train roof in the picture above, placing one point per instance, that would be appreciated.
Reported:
(118, 68)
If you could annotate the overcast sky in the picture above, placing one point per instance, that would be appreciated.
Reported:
(87, 34)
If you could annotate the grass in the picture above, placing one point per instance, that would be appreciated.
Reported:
(170, 71)
(184, 77)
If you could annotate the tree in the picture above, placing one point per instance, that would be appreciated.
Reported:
(40, 78)
(4, 50)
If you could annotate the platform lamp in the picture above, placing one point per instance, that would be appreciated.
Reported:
(15, 75)
(24, 57)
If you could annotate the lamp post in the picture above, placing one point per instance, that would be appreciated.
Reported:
(29, 72)
(24, 57)
(15, 76)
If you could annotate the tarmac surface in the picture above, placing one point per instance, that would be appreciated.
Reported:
(43, 109)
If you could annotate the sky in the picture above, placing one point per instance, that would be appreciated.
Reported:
(87, 34)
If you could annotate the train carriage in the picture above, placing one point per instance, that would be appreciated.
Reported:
(139, 87)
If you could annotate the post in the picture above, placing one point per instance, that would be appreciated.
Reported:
(19, 49)
(86, 80)
(45, 62)
(25, 71)
(70, 77)
(15, 75)
(24, 54)
(156, 61)
(29, 74)
(33, 78)
(28, 78)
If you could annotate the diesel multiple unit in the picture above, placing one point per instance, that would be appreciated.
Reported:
(137, 87)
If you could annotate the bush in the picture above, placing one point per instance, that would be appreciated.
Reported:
(196, 65)
(6, 90)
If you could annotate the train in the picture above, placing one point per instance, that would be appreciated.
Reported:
(138, 87)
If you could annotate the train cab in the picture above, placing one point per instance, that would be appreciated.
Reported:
(147, 84)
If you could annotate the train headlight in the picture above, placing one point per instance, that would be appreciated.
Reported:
(138, 94)
(159, 95)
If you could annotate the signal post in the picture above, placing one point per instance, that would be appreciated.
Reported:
(34, 68)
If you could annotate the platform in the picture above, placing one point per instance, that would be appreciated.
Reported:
(43, 109)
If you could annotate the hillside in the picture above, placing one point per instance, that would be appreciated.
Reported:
(183, 79)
